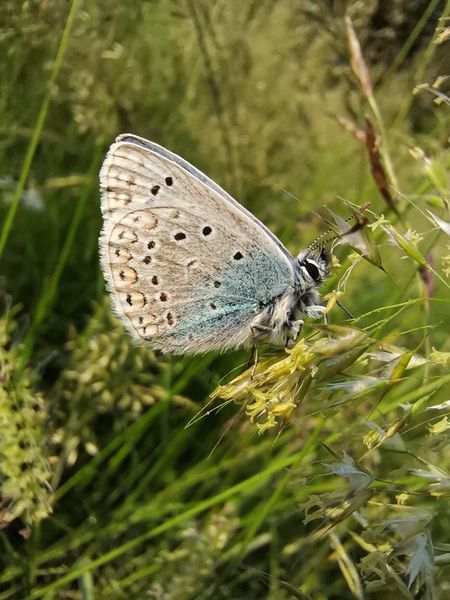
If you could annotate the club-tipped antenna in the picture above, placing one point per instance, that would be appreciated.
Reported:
(319, 241)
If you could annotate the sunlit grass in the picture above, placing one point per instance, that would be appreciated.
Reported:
(323, 472)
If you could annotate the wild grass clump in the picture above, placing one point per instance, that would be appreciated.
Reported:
(134, 382)
(24, 466)
(272, 390)
(323, 472)
(187, 570)
(391, 523)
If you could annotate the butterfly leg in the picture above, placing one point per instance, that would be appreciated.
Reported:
(258, 331)
(253, 360)
(294, 329)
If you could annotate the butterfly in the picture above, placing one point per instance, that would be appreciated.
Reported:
(188, 268)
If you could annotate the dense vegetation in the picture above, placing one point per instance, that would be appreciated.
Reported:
(326, 474)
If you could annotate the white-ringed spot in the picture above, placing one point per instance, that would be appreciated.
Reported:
(128, 275)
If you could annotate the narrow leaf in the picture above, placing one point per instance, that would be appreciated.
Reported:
(402, 242)
(357, 60)
(440, 223)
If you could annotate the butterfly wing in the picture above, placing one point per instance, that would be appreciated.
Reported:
(188, 268)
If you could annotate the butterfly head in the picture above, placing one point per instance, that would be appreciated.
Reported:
(314, 264)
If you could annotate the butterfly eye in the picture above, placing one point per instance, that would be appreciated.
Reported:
(312, 269)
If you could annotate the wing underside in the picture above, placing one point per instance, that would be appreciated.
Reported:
(187, 269)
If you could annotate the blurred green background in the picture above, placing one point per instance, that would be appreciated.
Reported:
(105, 489)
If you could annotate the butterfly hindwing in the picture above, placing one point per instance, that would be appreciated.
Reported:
(187, 268)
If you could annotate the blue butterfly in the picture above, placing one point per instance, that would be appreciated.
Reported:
(191, 270)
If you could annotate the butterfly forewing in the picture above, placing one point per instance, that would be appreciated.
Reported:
(188, 269)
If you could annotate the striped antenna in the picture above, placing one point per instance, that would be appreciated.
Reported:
(317, 243)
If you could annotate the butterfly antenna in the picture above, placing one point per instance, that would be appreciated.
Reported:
(318, 239)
